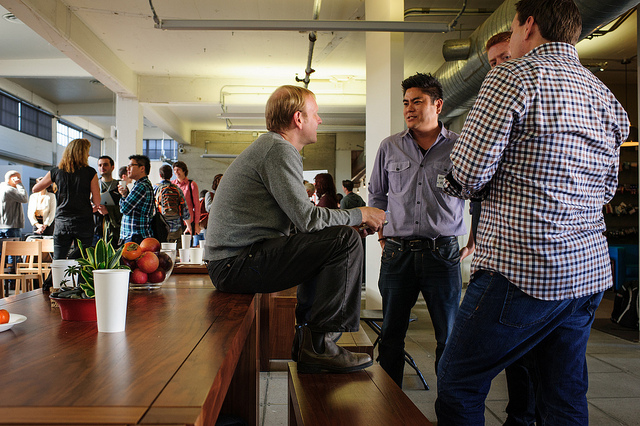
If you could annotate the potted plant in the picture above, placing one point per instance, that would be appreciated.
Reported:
(78, 303)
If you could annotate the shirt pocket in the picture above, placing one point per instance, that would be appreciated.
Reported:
(399, 175)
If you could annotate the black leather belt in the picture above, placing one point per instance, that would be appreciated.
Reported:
(421, 244)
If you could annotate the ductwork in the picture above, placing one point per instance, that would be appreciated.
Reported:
(462, 78)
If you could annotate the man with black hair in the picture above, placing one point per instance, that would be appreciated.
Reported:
(138, 207)
(351, 199)
(420, 240)
(545, 134)
(109, 185)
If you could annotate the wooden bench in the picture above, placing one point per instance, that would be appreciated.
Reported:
(368, 397)
(277, 321)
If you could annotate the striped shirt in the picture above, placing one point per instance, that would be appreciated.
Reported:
(544, 134)
(137, 210)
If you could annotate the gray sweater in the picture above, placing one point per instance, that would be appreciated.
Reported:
(11, 212)
(259, 197)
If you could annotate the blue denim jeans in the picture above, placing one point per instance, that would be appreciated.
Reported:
(404, 274)
(496, 325)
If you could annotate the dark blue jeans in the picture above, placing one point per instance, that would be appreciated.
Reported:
(325, 265)
(403, 275)
(496, 325)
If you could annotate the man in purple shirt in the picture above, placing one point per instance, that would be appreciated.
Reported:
(420, 244)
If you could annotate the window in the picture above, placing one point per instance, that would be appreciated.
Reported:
(9, 116)
(67, 133)
(156, 149)
(23, 117)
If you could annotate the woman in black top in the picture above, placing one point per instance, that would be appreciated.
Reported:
(78, 197)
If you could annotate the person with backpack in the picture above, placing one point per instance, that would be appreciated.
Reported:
(191, 194)
(171, 204)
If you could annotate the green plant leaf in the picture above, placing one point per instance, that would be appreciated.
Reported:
(90, 257)
(101, 252)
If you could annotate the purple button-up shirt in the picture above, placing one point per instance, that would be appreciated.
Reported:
(409, 185)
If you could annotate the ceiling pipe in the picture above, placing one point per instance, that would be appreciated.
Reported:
(431, 11)
(312, 41)
(461, 79)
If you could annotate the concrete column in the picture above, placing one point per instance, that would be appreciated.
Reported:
(129, 125)
(343, 168)
(385, 71)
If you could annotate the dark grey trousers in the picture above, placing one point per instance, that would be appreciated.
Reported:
(325, 265)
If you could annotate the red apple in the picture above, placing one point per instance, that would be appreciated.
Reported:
(139, 277)
(150, 244)
(157, 276)
(148, 262)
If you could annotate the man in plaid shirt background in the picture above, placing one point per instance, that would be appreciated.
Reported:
(138, 207)
(542, 144)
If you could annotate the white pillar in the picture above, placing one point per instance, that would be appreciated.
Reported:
(343, 168)
(129, 125)
(385, 71)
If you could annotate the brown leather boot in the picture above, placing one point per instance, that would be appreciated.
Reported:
(295, 348)
(334, 359)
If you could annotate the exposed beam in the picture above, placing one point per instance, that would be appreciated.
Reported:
(59, 25)
(302, 25)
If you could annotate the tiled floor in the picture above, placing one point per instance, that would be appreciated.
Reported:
(614, 375)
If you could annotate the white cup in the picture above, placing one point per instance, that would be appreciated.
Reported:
(201, 243)
(169, 246)
(184, 255)
(58, 271)
(186, 241)
(196, 255)
(112, 293)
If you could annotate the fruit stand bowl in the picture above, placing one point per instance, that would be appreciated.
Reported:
(150, 268)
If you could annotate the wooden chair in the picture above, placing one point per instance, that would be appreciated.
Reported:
(30, 267)
(24, 282)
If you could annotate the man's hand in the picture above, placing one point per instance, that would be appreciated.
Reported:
(373, 217)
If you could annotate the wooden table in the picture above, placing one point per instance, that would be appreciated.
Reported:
(188, 354)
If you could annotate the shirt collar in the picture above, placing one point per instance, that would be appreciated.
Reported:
(444, 134)
(554, 48)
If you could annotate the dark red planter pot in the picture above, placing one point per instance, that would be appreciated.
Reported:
(76, 309)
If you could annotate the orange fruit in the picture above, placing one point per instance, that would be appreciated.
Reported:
(4, 316)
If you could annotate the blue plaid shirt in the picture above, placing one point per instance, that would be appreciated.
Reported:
(137, 210)
(544, 134)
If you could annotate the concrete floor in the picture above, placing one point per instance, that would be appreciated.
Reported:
(614, 376)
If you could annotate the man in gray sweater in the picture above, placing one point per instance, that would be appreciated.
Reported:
(249, 247)
(12, 196)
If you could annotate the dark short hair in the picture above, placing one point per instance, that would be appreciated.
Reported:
(283, 103)
(425, 82)
(497, 39)
(182, 166)
(122, 171)
(143, 160)
(166, 171)
(102, 157)
(558, 20)
(348, 185)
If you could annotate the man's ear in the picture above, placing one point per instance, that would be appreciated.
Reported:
(297, 119)
(438, 103)
(529, 27)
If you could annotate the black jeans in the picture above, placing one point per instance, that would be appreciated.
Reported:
(325, 265)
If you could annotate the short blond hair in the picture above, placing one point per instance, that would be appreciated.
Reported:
(283, 104)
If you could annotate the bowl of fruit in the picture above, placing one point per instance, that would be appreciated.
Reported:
(150, 264)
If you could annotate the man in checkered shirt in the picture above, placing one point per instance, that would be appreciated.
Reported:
(542, 144)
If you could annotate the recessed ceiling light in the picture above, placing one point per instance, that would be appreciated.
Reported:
(96, 82)
(10, 17)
